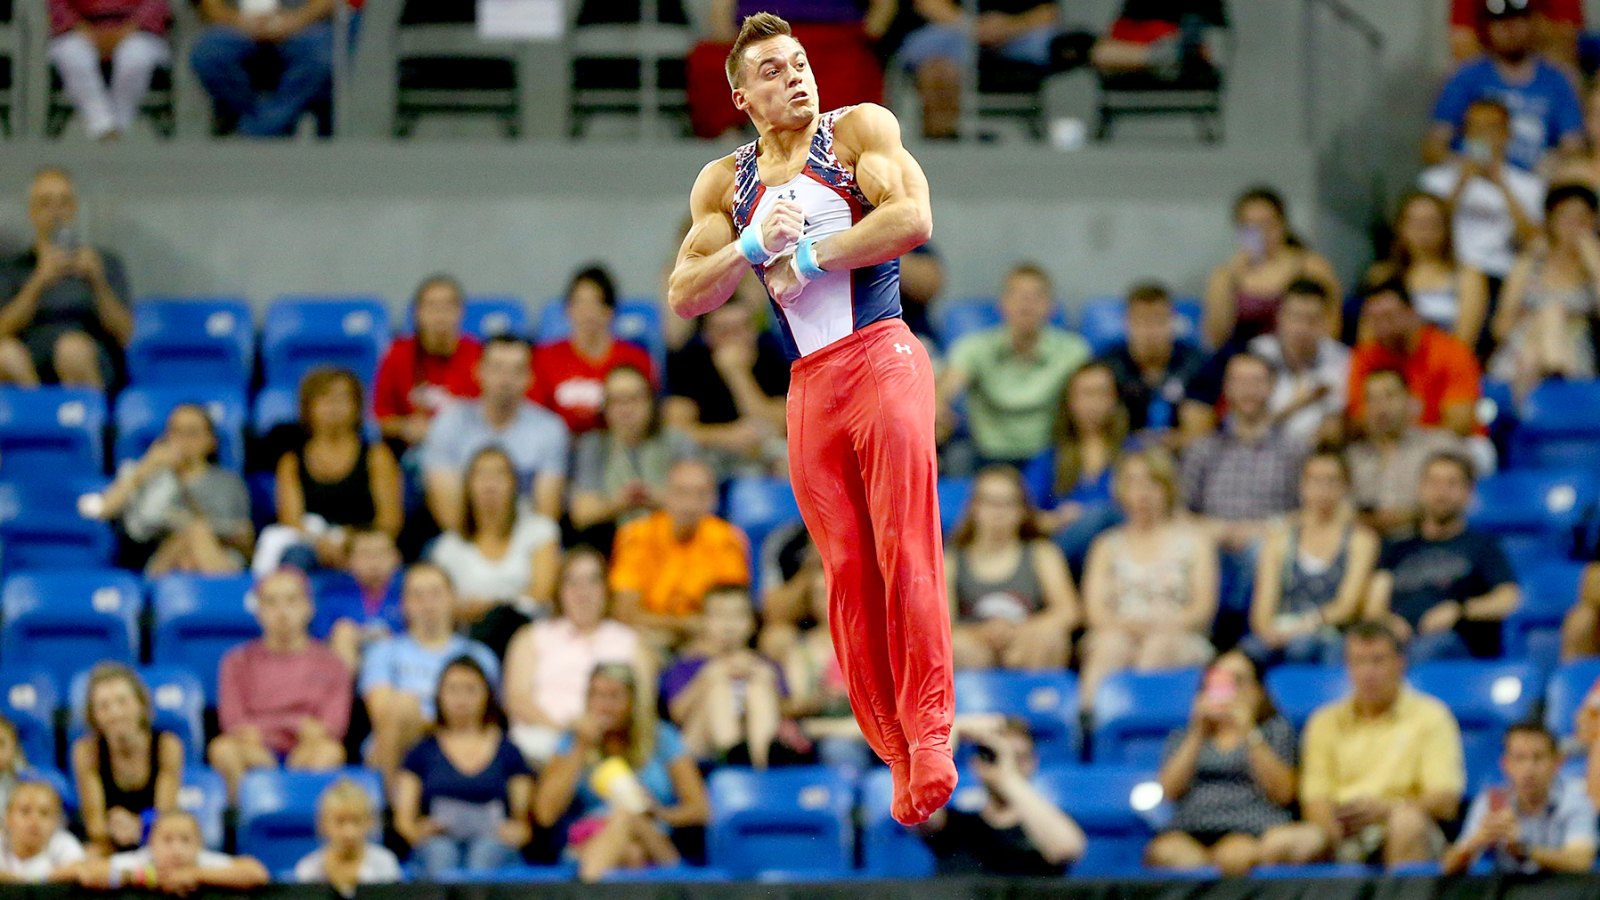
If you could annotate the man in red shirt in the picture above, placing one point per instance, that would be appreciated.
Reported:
(1440, 371)
(1558, 22)
(569, 376)
(420, 374)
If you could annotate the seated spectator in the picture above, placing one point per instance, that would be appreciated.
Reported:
(1153, 368)
(1012, 375)
(1311, 369)
(1386, 464)
(180, 510)
(922, 280)
(362, 604)
(1557, 26)
(817, 699)
(794, 585)
(1543, 322)
(1150, 586)
(284, 696)
(13, 762)
(295, 37)
(1380, 769)
(1441, 373)
(36, 846)
(569, 376)
(334, 481)
(131, 34)
(534, 437)
(1091, 431)
(399, 674)
(347, 858)
(664, 563)
(1448, 588)
(124, 767)
(548, 662)
(1494, 206)
(1230, 774)
(1015, 31)
(1537, 822)
(1448, 289)
(1546, 114)
(621, 784)
(1580, 629)
(1012, 598)
(174, 861)
(454, 809)
(65, 317)
(1243, 295)
(503, 560)
(1018, 832)
(1161, 39)
(618, 472)
(726, 389)
(1311, 577)
(422, 373)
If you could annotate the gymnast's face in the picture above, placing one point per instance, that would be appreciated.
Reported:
(776, 83)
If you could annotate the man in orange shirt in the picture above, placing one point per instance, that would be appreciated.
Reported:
(1440, 371)
(663, 564)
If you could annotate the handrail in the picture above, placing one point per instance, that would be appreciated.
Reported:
(1354, 18)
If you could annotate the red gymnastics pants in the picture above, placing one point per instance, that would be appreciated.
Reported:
(863, 461)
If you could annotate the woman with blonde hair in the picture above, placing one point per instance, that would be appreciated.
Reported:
(124, 767)
(1445, 292)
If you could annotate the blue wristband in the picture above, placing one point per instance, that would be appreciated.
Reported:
(751, 248)
(805, 260)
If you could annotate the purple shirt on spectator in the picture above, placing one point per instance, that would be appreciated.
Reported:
(680, 673)
(807, 11)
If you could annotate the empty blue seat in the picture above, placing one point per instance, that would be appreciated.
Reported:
(1299, 691)
(515, 874)
(278, 812)
(679, 874)
(1560, 426)
(1569, 685)
(64, 621)
(889, 849)
(1486, 696)
(205, 796)
(1047, 701)
(1549, 591)
(1118, 807)
(954, 493)
(782, 819)
(195, 619)
(51, 431)
(488, 317)
(1103, 322)
(29, 699)
(301, 334)
(1537, 513)
(141, 417)
(192, 341)
(1135, 711)
(1189, 313)
(50, 541)
(955, 319)
(177, 700)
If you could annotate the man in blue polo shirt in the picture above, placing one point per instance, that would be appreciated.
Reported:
(1537, 822)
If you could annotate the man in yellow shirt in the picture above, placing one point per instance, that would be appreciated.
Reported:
(663, 564)
(1380, 769)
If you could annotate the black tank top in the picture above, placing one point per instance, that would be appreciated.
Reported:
(347, 501)
(138, 799)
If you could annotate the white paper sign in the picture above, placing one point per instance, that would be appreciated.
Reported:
(521, 20)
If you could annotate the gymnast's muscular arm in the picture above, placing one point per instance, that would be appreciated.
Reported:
(709, 265)
(867, 139)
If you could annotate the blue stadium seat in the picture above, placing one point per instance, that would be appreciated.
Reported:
(1103, 322)
(1549, 590)
(1560, 426)
(1313, 871)
(1569, 684)
(141, 417)
(1497, 413)
(1537, 513)
(1190, 313)
(278, 812)
(57, 495)
(790, 819)
(889, 849)
(195, 619)
(1118, 807)
(301, 334)
(1047, 701)
(62, 621)
(1486, 697)
(953, 496)
(1298, 691)
(205, 796)
(510, 875)
(65, 789)
(175, 694)
(955, 319)
(194, 341)
(274, 405)
(679, 874)
(49, 541)
(1039, 476)
(1135, 711)
(488, 317)
(51, 431)
(758, 506)
(28, 700)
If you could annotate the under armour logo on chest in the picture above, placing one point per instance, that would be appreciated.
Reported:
(903, 348)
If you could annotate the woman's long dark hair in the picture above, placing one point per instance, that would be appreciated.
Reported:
(470, 526)
(1028, 532)
(214, 455)
(1263, 194)
(1069, 440)
(492, 713)
(1265, 710)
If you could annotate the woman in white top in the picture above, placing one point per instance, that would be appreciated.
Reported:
(35, 847)
(1445, 292)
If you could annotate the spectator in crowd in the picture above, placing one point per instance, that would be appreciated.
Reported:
(13, 762)
(503, 560)
(723, 695)
(1015, 31)
(792, 576)
(1091, 430)
(1012, 375)
(922, 279)
(1230, 774)
(284, 696)
(1153, 368)
(548, 662)
(361, 604)
(1380, 769)
(1447, 588)
(124, 766)
(1544, 319)
(1545, 113)
(335, 481)
(174, 861)
(1440, 371)
(1160, 38)
(1494, 206)
(1557, 25)
(1537, 822)
(534, 437)
(456, 810)
(347, 857)
(1311, 577)
(619, 472)
(726, 388)
(664, 563)
(1150, 586)
(420, 374)
(1386, 464)
(296, 35)
(181, 511)
(817, 698)
(1013, 601)
(1311, 370)
(1584, 167)
(569, 376)
(648, 805)
(1580, 629)
(1018, 831)
(1243, 295)
(64, 314)
(399, 674)
(1449, 290)
(131, 34)
(36, 846)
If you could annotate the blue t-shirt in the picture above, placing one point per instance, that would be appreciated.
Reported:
(403, 664)
(536, 440)
(1543, 111)
(440, 777)
(339, 597)
(654, 776)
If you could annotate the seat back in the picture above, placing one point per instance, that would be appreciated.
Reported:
(301, 334)
(1564, 695)
(1535, 511)
(198, 341)
(196, 619)
(1487, 697)
(29, 700)
(47, 432)
(1549, 590)
(141, 417)
(888, 849)
(205, 796)
(1047, 701)
(278, 812)
(64, 621)
(791, 819)
(1134, 712)
(1119, 808)
(1299, 691)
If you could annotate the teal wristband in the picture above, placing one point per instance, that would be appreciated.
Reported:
(751, 248)
(805, 261)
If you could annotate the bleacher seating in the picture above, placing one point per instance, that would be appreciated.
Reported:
(176, 698)
(278, 812)
(889, 849)
(1047, 701)
(1568, 686)
(1539, 514)
(28, 700)
(1486, 698)
(192, 341)
(1117, 806)
(196, 619)
(45, 539)
(1135, 711)
(1559, 426)
(1549, 589)
(51, 431)
(1298, 691)
(793, 819)
(141, 418)
(204, 795)
(301, 334)
(66, 621)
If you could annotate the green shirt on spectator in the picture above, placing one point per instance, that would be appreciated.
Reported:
(1012, 397)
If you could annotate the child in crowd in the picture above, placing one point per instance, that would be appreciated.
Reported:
(35, 847)
(348, 857)
(174, 861)
(12, 760)
(362, 603)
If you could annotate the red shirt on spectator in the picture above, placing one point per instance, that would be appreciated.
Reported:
(574, 385)
(409, 380)
(1440, 372)
(275, 691)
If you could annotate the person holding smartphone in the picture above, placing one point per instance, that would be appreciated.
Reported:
(1537, 821)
